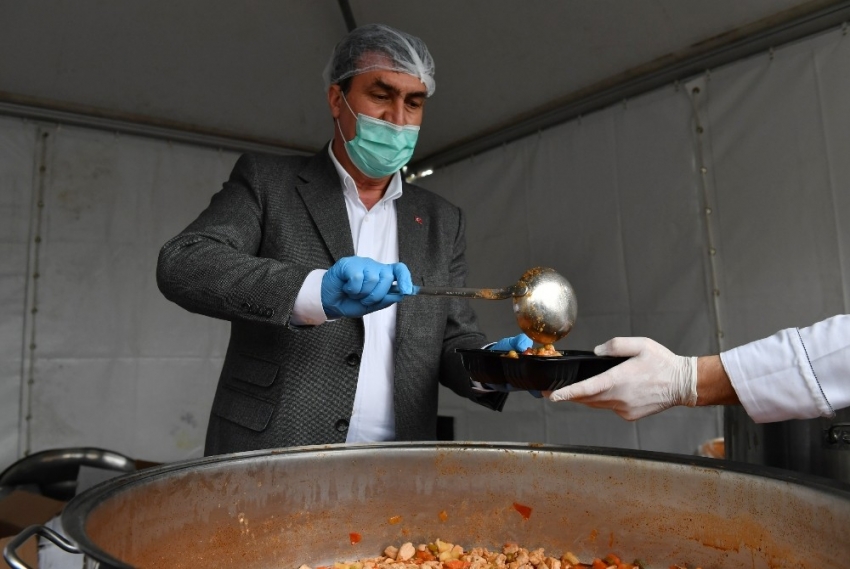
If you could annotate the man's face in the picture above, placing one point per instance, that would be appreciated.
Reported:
(394, 97)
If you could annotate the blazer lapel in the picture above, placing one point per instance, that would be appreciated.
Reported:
(319, 187)
(412, 249)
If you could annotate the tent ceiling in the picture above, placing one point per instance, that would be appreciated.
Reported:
(252, 70)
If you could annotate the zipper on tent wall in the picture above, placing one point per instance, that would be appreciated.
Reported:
(697, 94)
(31, 306)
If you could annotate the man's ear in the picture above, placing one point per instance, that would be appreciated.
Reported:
(335, 100)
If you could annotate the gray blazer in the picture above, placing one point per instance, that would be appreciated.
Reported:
(245, 258)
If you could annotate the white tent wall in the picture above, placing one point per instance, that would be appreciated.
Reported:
(778, 138)
(704, 216)
(615, 201)
(113, 363)
(17, 157)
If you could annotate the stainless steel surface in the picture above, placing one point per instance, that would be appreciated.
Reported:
(55, 471)
(280, 508)
(803, 446)
(482, 293)
(10, 552)
(544, 302)
(548, 312)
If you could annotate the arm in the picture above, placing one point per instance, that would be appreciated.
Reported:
(713, 384)
(462, 331)
(794, 374)
(797, 373)
(213, 267)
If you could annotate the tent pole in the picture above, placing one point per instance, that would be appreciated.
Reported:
(347, 14)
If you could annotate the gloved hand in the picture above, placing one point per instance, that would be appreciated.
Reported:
(519, 344)
(653, 379)
(355, 286)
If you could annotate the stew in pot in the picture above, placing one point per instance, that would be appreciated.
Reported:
(444, 555)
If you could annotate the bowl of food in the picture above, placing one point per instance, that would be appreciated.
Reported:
(538, 369)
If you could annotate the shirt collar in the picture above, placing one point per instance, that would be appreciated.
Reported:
(349, 187)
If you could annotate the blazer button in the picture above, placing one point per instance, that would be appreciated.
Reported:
(341, 425)
(352, 359)
(269, 312)
(247, 306)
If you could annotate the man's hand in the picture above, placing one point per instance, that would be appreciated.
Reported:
(653, 379)
(519, 344)
(356, 286)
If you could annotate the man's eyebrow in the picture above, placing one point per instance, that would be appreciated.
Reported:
(395, 91)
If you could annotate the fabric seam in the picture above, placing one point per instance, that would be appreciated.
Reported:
(815, 375)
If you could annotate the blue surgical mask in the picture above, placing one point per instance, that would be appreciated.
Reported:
(379, 148)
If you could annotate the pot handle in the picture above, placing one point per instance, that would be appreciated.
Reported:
(10, 552)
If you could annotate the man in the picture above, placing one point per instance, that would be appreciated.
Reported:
(794, 374)
(300, 254)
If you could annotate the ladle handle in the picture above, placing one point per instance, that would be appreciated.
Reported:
(482, 293)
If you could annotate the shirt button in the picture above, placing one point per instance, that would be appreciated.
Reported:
(341, 425)
(352, 359)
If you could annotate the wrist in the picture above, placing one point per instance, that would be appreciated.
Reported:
(713, 384)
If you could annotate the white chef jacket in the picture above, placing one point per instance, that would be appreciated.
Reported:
(798, 373)
(374, 233)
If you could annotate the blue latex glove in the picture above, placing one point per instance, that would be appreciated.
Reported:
(519, 344)
(356, 286)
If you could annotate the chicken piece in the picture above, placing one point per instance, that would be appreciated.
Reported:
(536, 557)
(406, 552)
(391, 552)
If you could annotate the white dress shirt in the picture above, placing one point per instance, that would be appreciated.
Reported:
(374, 233)
(795, 374)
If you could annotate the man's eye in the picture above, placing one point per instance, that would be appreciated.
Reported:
(414, 104)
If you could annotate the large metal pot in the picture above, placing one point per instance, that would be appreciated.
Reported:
(814, 446)
(281, 508)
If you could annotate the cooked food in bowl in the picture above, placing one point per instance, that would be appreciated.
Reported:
(546, 350)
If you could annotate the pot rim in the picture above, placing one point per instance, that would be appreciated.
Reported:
(77, 510)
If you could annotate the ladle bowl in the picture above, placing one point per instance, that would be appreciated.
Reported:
(547, 312)
(544, 302)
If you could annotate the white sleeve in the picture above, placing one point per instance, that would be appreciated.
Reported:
(308, 310)
(798, 373)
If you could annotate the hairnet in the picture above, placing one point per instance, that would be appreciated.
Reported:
(378, 46)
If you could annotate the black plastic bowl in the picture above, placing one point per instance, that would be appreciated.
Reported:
(540, 373)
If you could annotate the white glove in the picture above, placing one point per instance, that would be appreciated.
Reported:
(653, 379)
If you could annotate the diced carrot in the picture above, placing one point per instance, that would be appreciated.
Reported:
(443, 516)
(611, 559)
(395, 519)
(355, 538)
(456, 564)
(524, 511)
(599, 564)
(425, 555)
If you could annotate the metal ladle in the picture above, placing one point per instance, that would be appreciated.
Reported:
(544, 302)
